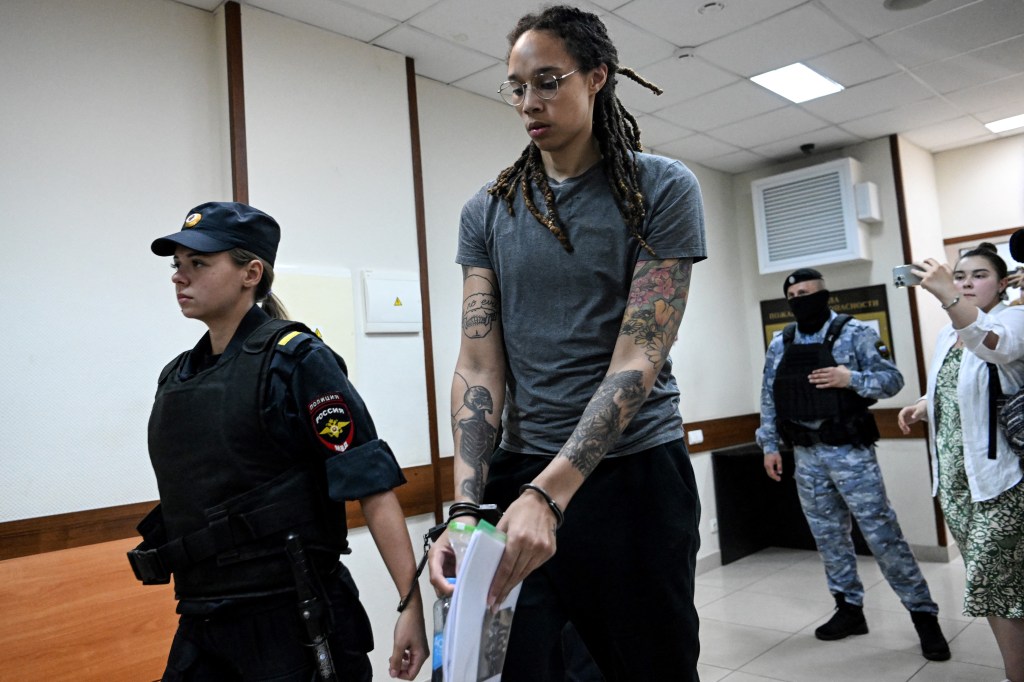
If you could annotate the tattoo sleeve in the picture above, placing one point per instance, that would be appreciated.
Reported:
(657, 300)
(474, 406)
(613, 406)
(475, 438)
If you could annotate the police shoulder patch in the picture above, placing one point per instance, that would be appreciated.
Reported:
(332, 421)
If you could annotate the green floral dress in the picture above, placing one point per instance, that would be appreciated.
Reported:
(990, 533)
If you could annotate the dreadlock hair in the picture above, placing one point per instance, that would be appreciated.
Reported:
(617, 133)
(271, 304)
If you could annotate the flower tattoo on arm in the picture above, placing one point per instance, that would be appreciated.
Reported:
(657, 300)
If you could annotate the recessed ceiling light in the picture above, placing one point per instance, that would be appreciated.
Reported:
(797, 83)
(1004, 124)
(711, 8)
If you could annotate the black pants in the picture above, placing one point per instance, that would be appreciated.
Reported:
(622, 573)
(264, 640)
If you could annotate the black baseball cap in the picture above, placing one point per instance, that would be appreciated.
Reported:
(801, 275)
(221, 226)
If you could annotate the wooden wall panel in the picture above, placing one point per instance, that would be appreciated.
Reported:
(417, 496)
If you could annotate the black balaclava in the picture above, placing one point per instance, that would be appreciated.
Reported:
(811, 311)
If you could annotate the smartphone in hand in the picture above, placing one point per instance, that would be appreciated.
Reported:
(903, 277)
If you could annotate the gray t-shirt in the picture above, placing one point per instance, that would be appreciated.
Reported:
(561, 312)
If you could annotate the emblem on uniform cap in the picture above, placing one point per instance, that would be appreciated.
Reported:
(193, 219)
(792, 279)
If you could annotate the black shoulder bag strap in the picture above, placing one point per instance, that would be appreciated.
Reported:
(995, 393)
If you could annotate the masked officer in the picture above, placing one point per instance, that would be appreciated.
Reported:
(820, 376)
(256, 435)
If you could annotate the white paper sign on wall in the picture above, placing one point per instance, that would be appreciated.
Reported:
(391, 302)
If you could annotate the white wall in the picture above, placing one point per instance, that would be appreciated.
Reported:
(924, 225)
(112, 125)
(327, 132)
(465, 141)
(982, 187)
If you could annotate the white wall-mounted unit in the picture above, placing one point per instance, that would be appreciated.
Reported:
(808, 217)
(391, 302)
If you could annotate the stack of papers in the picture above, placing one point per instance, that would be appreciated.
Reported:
(475, 639)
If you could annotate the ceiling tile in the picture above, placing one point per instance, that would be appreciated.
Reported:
(990, 95)
(481, 26)
(655, 131)
(854, 64)
(636, 47)
(797, 35)
(434, 58)
(333, 16)
(395, 9)
(971, 27)
(962, 128)
(485, 82)
(208, 5)
(680, 79)
(785, 122)
(868, 98)
(967, 56)
(873, 19)
(732, 103)
(975, 68)
(679, 22)
(696, 148)
(825, 139)
(737, 162)
(902, 119)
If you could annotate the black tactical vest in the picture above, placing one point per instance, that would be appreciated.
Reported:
(796, 398)
(216, 465)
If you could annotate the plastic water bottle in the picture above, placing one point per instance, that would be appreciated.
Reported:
(458, 534)
(440, 616)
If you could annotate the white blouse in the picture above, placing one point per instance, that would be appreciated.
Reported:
(987, 477)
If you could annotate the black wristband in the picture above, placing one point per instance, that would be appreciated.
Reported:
(555, 509)
(463, 509)
(404, 601)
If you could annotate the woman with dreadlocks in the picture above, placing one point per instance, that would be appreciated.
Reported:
(576, 265)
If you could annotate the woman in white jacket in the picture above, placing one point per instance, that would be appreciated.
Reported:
(979, 482)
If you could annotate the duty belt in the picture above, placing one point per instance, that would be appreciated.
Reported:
(223, 536)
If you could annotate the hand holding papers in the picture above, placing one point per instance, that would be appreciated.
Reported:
(475, 639)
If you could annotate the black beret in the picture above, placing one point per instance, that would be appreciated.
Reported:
(801, 275)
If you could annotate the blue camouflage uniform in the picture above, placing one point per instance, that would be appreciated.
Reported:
(835, 481)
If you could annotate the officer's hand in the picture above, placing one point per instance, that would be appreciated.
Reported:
(830, 377)
(530, 527)
(911, 414)
(409, 651)
(441, 562)
(773, 465)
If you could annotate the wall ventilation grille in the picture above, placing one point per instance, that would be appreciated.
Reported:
(807, 217)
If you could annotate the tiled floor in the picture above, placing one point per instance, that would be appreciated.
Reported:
(758, 616)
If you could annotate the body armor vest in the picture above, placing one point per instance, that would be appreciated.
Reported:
(798, 400)
(224, 471)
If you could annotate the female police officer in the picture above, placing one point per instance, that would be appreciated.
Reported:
(256, 436)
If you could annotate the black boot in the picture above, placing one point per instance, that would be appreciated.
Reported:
(848, 620)
(933, 644)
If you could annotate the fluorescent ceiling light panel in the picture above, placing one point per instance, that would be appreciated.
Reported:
(797, 83)
(1004, 124)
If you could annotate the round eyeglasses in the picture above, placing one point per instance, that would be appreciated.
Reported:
(543, 85)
